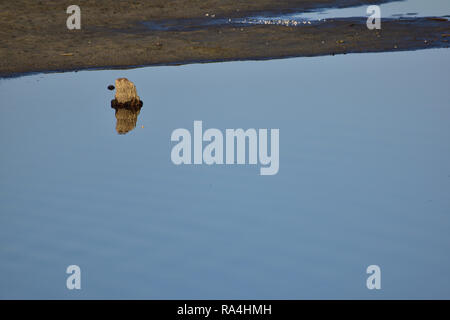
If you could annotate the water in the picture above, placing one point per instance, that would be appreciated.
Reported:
(364, 179)
(391, 10)
(406, 8)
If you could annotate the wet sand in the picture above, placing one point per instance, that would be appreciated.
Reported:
(34, 37)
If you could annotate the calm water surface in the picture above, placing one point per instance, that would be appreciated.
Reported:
(364, 179)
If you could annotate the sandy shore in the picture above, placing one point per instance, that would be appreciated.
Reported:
(34, 37)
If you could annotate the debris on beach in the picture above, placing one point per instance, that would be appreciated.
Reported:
(437, 19)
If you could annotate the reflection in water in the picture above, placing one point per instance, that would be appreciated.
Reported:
(126, 115)
(127, 105)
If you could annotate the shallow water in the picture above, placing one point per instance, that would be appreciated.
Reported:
(391, 10)
(405, 8)
(364, 179)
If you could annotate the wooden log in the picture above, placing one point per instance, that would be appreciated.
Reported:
(125, 91)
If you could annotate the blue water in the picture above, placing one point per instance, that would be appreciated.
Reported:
(405, 8)
(389, 10)
(364, 179)
(402, 9)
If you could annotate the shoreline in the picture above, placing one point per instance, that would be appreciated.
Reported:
(128, 43)
(187, 62)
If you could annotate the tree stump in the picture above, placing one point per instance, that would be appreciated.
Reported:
(127, 105)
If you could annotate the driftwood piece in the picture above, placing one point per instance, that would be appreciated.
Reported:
(127, 105)
(125, 91)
